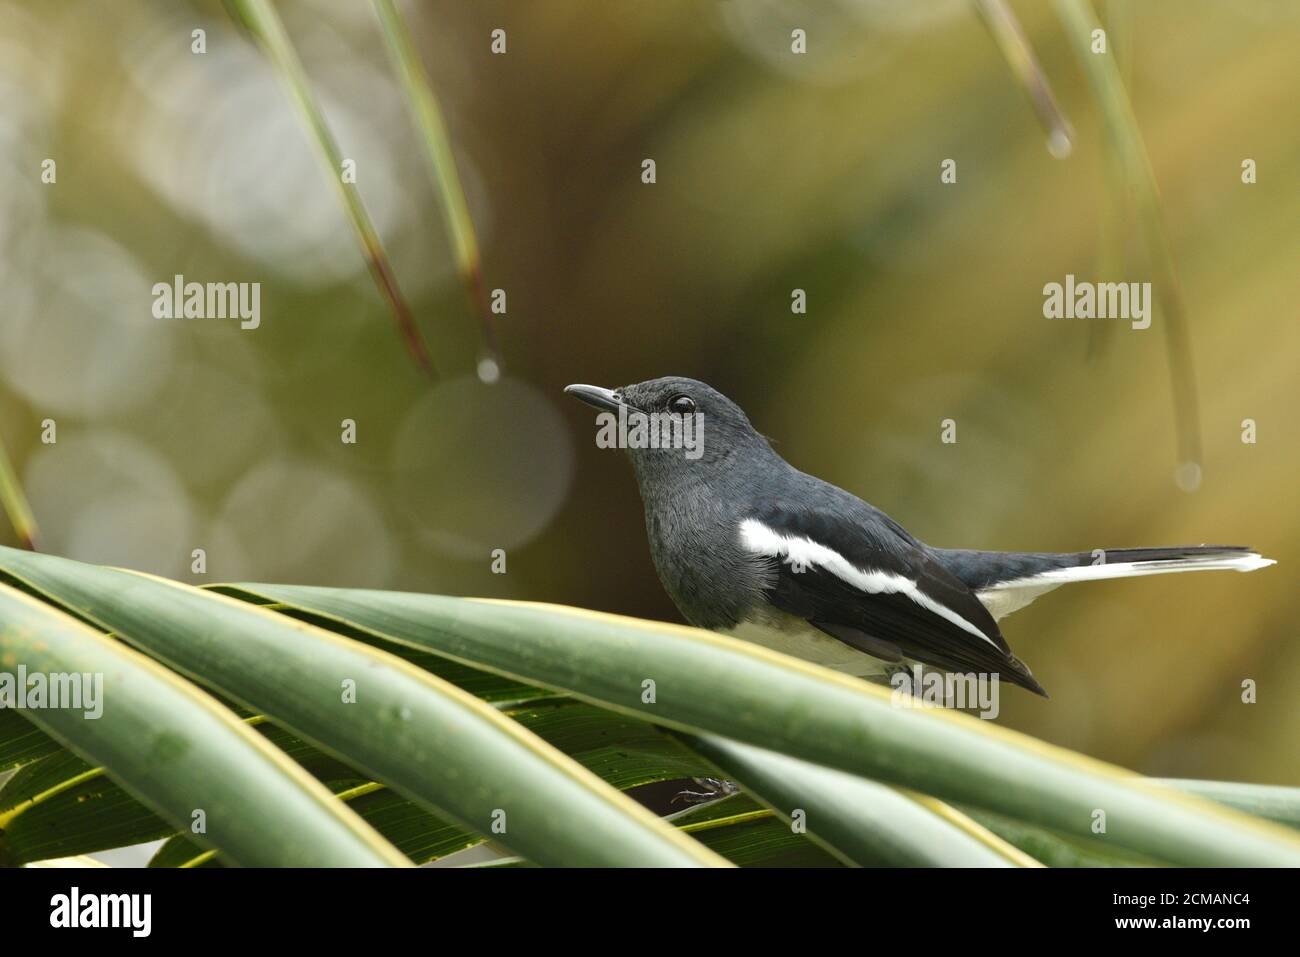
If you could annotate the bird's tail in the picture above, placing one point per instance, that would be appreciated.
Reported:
(1007, 581)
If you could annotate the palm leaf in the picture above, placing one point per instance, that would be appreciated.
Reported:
(94, 814)
(1276, 803)
(429, 739)
(736, 690)
(420, 761)
(178, 750)
(859, 821)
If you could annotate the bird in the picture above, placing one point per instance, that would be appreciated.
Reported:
(747, 545)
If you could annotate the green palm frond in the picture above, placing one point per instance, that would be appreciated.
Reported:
(339, 726)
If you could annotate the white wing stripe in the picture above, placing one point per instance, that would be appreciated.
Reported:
(801, 550)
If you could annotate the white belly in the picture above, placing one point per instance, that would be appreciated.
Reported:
(794, 636)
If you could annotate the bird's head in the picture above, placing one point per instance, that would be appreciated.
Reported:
(672, 426)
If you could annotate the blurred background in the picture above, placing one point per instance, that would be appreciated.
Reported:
(774, 171)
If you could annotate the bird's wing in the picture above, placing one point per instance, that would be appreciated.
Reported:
(851, 575)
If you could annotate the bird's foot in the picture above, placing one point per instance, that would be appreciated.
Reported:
(711, 789)
(885, 677)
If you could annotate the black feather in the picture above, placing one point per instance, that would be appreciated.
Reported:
(890, 626)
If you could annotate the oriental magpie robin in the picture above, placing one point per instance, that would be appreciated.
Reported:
(748, 545)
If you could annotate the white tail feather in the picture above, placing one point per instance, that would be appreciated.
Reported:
(1005, 597)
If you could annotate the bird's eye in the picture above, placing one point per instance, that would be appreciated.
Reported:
(682, 404)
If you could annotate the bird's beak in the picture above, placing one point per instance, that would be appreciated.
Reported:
(595, 396)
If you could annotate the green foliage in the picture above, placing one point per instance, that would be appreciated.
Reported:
(305, 742)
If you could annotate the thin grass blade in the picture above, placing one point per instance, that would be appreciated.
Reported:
(1015, 47)
(428, 117)
(262, 21)
(1139, 181)
(15, 502)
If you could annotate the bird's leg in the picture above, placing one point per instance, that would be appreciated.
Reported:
(885, 677)
(711, 789)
